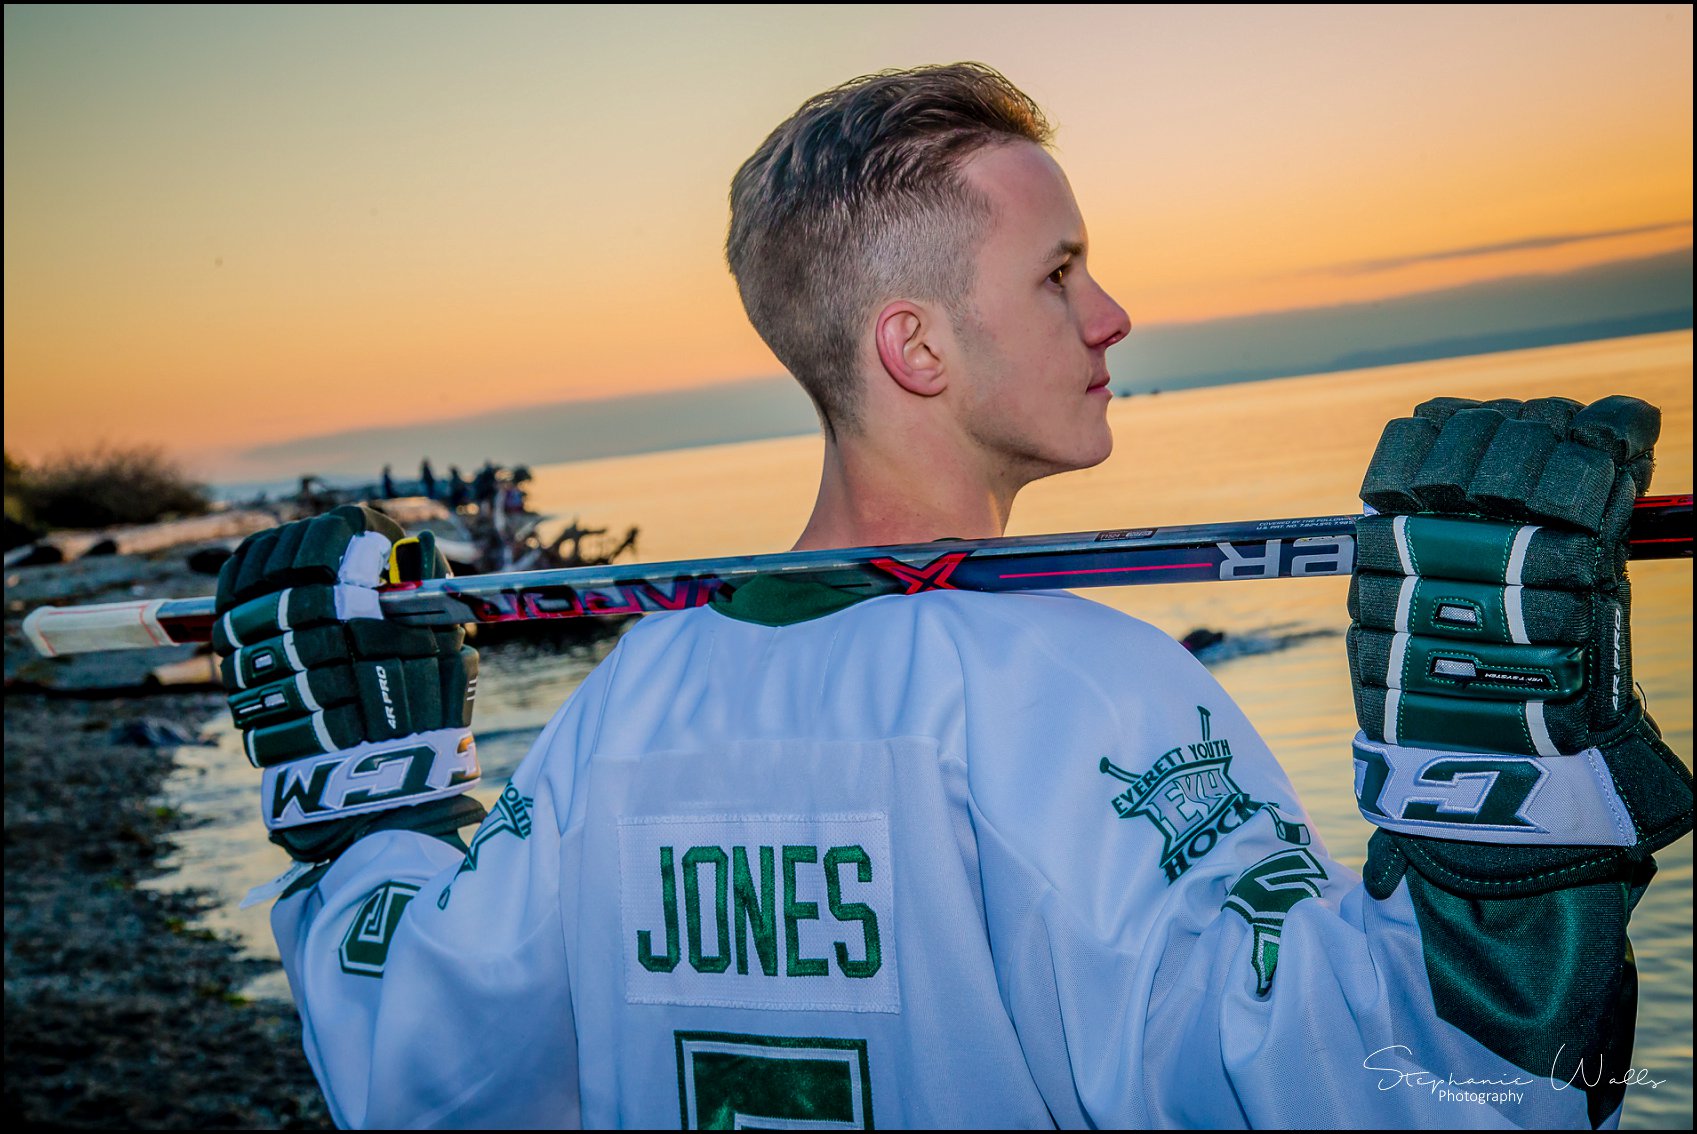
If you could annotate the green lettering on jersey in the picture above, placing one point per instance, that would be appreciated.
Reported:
(794, 912)
(669, 904)
(853, 911)
(758, 912)
(694, 857)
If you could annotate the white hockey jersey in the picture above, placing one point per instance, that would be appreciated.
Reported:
(949, 860)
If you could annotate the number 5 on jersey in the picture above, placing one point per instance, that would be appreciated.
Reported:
(738, 1082)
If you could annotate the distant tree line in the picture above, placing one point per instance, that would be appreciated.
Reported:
(96, 488)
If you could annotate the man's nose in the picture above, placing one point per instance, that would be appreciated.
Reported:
(1107, 322)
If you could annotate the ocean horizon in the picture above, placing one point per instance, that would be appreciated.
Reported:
(1608, 301)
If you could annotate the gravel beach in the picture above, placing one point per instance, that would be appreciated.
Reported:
(119, 1013)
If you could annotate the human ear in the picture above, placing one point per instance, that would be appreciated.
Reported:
(904, 332)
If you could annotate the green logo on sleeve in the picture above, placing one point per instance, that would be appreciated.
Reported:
(511, 816)
(1190, 797)
(365, 947)
(1264, 894)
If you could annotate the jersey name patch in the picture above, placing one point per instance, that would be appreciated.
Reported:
(740, 911)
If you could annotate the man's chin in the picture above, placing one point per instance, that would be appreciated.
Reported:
(1100, 451)
(1083, 456)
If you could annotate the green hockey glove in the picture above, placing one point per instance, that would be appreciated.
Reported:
(358, 723)
(1503, 750)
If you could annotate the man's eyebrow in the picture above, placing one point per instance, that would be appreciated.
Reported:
(1065, 248)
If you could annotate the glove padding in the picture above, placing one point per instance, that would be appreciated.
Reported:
(1503, 750)
(357, 722)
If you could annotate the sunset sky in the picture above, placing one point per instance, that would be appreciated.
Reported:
(230, 227)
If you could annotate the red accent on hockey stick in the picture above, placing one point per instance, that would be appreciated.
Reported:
(934, 576)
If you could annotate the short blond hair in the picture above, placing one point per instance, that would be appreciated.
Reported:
(858, 198)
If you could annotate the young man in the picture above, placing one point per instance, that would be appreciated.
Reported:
(975, 860)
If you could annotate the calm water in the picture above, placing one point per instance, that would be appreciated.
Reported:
(1295, 447)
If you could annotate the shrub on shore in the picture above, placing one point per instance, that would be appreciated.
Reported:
(17, 529)
(100, 486)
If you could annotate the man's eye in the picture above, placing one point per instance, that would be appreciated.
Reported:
(1058, 276)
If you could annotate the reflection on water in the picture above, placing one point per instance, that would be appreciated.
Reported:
(1295, 447)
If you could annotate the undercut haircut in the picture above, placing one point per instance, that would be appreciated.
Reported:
(858, 198)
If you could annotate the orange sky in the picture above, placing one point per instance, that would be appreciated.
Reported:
(228, 226)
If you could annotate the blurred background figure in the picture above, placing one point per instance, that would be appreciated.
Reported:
(483, 487)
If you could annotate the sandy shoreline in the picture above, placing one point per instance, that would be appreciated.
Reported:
(118, 1011)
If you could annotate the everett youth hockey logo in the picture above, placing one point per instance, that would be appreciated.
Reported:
(1189, 795)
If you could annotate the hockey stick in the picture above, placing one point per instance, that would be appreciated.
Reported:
(1264, 549)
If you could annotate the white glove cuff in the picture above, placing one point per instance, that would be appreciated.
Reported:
(370, 777)
(1482, 797)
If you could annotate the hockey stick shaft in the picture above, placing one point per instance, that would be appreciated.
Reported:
(1264, 549)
